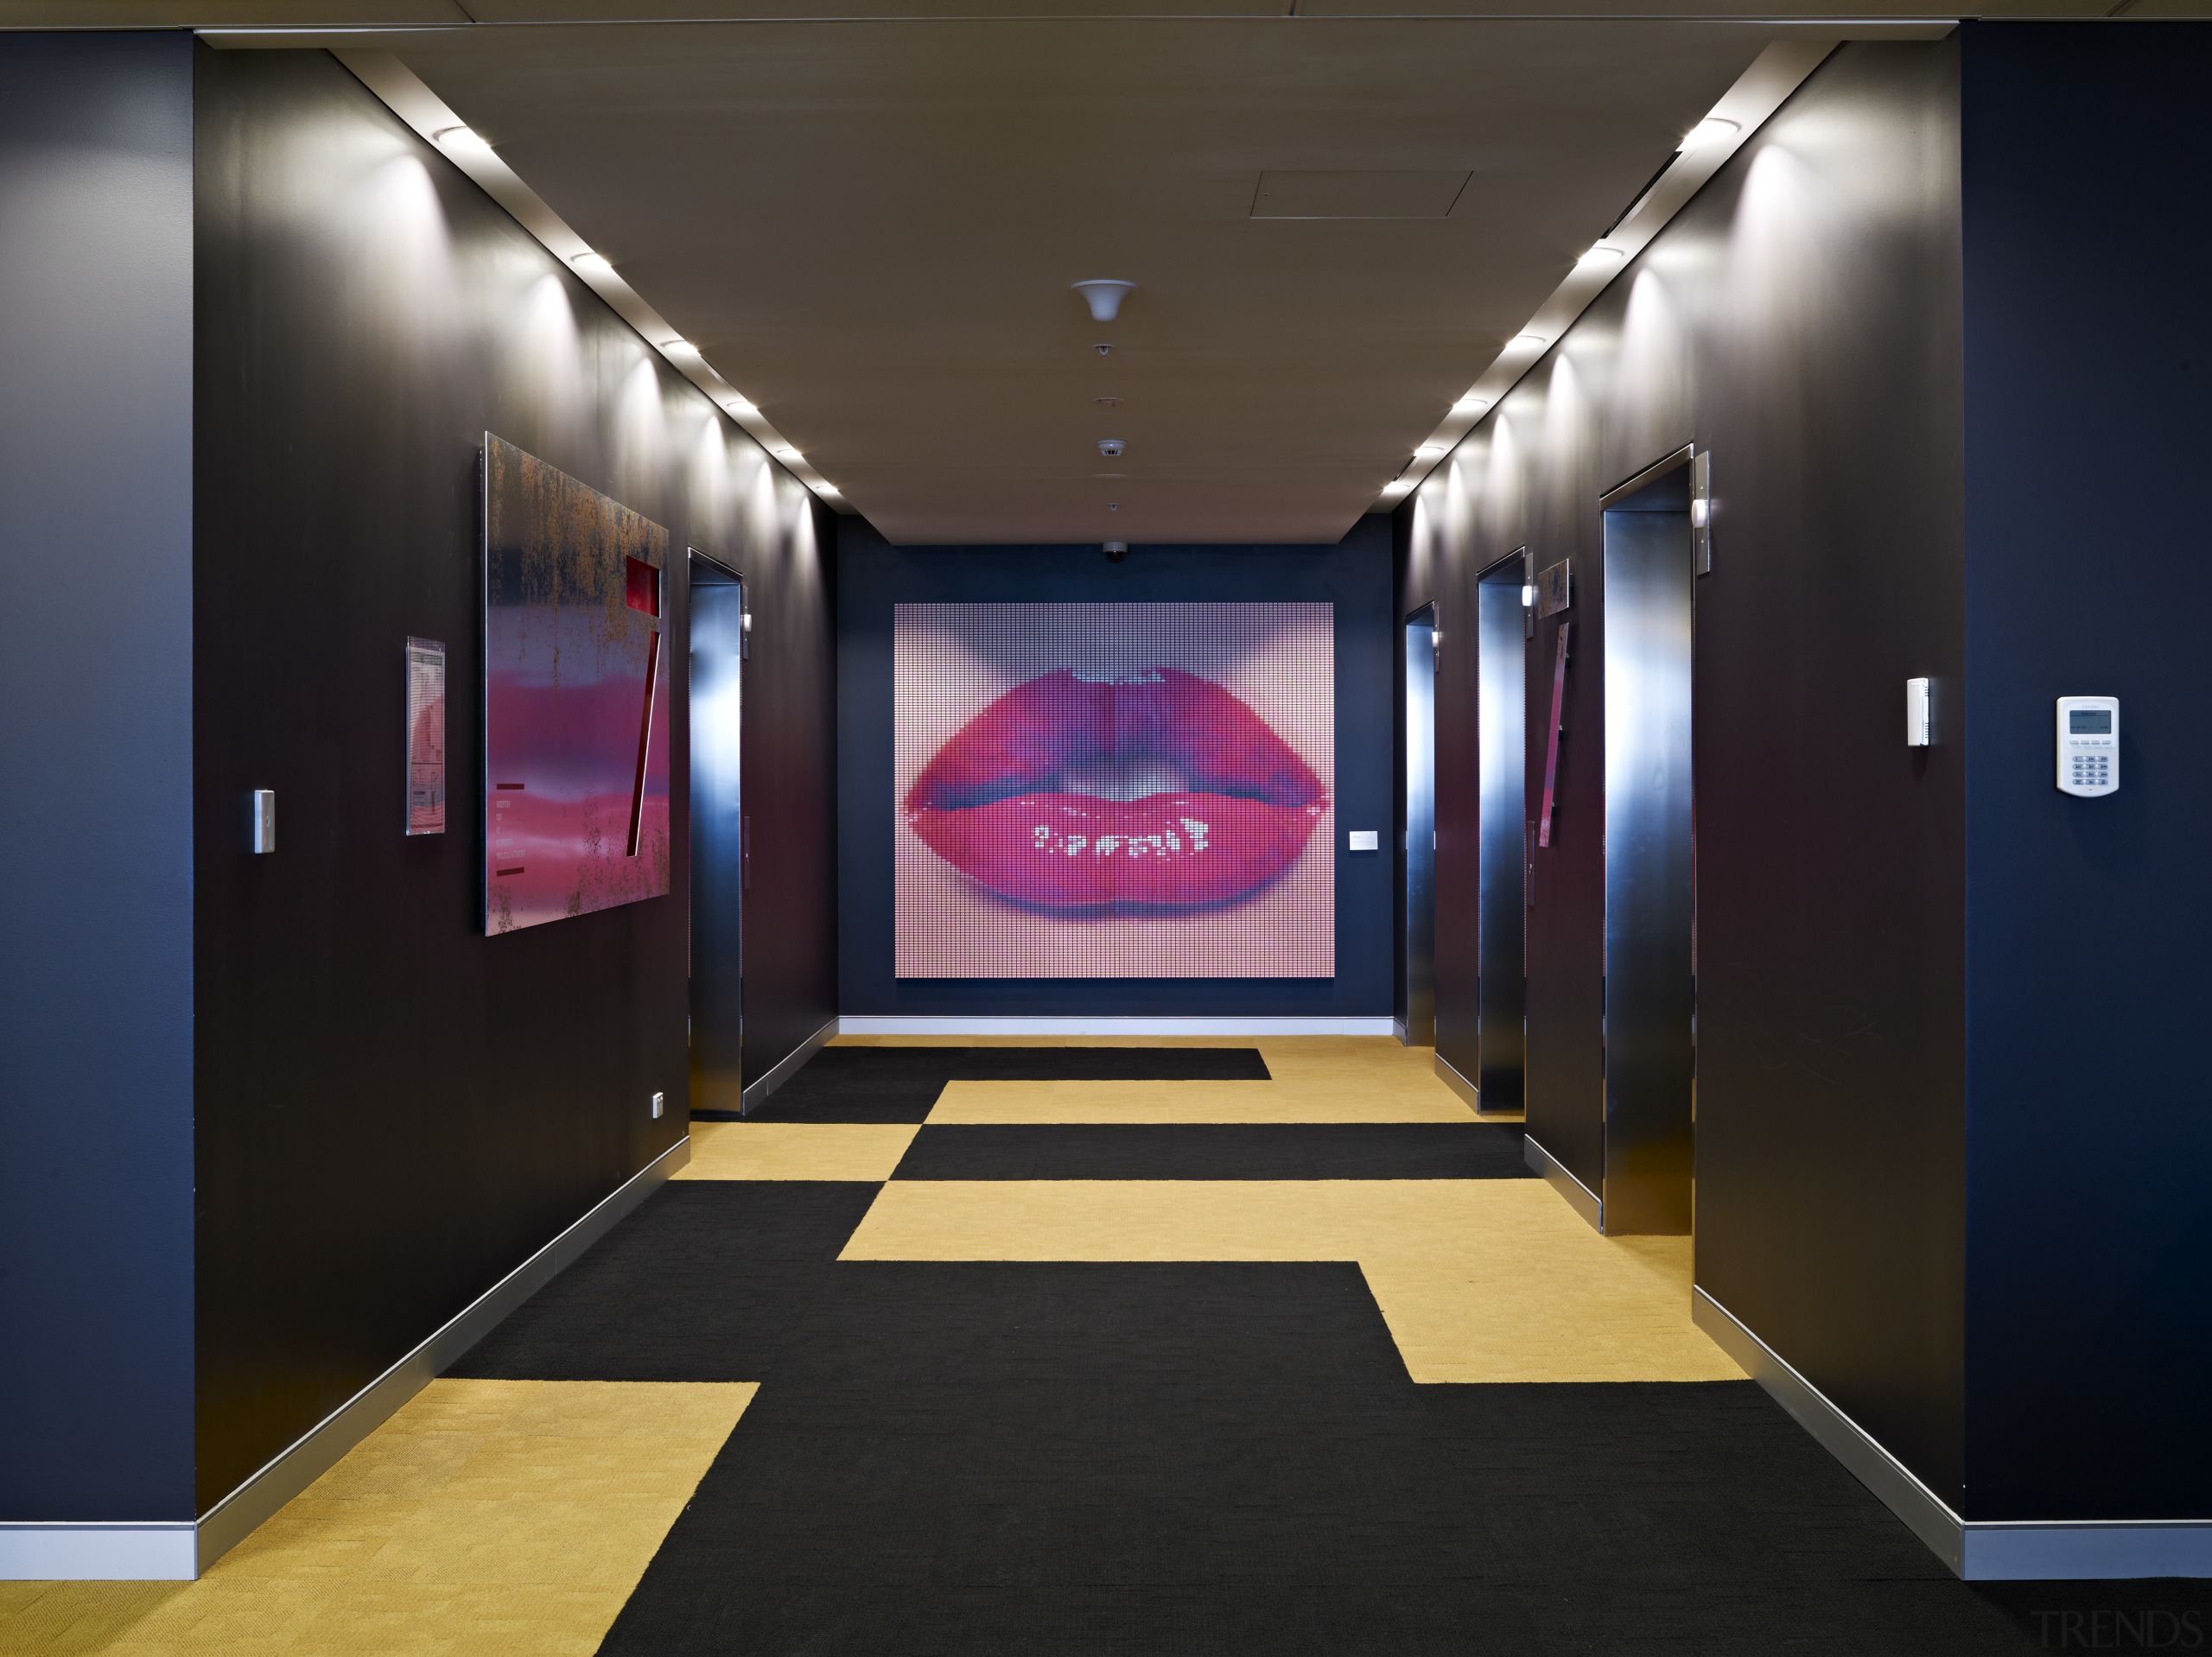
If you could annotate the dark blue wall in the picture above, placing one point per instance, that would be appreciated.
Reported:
(2087, 163)
(874, 576)
(96, 990)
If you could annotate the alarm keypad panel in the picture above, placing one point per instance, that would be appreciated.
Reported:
(2088, 745)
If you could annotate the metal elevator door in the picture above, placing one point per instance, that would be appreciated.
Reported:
(1501, 764)
(718, 848)
(1650, 989)
(1417, 1002)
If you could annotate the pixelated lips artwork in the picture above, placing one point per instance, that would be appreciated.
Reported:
(1115, 791)
(575, 708)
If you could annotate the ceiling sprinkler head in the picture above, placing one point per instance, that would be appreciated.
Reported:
(1103, 350)
(1109, 447)
(1103, 297)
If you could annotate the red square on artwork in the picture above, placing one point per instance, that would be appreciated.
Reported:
(644, 585)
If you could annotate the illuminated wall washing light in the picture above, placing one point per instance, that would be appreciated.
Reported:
(593, 264)
(1535, 340)
(741, 408)
(1466, 406)
(1708, 130)
(1600, 254)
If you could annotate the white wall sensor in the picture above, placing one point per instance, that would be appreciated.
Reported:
(1919, 713)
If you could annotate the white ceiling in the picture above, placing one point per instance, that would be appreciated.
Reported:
(869, 224)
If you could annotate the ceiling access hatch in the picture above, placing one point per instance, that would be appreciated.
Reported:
(1358, 196)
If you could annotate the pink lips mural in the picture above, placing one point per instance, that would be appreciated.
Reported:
(993, 800)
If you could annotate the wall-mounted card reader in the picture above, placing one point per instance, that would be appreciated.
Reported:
(1364, 840)
(2088, 745)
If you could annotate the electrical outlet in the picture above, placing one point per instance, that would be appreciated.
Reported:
(658, 1102)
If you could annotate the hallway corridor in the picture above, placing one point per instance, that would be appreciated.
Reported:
(1198, 1347)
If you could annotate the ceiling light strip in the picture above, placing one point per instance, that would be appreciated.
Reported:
(407, 97)
(1759, 93)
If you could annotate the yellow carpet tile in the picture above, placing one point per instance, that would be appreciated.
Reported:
(486, 1517)
(867, 1151)
(1478, 1279)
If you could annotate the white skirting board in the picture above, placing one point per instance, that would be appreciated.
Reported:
(898, 1024)
(1979, 1550)
(154, 1552)
(178, 1551)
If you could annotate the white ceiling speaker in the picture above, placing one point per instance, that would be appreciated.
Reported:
(1104, 298)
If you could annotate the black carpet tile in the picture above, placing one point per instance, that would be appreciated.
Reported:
(1000, 1458)
(900, 1084)
(708, 1280)
(1230, 1458)
(1270, 1150)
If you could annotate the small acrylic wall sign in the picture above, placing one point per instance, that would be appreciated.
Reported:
(426, 736)
(1555, 589)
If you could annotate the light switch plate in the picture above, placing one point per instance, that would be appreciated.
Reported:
(1364, 840)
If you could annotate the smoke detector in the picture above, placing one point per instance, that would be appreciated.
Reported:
(1104, 297)
(1109, 447)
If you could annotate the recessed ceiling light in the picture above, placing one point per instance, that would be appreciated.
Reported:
(1709, 130)
(1470, 405)
(741, 408)
(678, 345)
(1429, 452)
(1535, 339)
(593, 264)
(462, 137)
(1599, 255)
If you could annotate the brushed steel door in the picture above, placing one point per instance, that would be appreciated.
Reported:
(1501, 715)
(1417, 1003)
(717, 837)
(1649, 1071)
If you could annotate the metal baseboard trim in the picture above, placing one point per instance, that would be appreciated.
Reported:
(875, 1025)
(784, 1069)
(291, 1470)
(2086, 1550)
(156, 1552)
(1448, 1074)
(1925, 1514)
(1579, 1197)
(1978, 1550)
